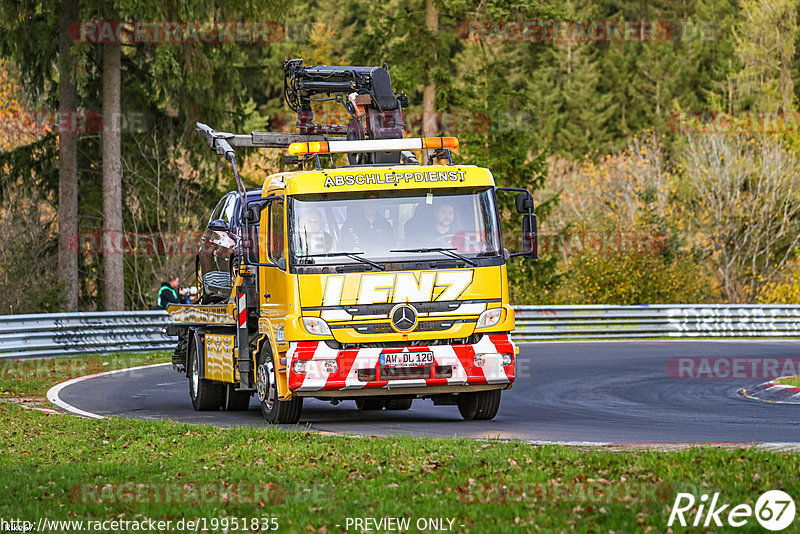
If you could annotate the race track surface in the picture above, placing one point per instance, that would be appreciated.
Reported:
(616, 392)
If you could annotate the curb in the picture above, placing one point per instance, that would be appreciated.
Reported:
(773, 391)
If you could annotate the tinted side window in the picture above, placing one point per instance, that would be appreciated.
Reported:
(216, 214)
(227, 211)
(276, 237)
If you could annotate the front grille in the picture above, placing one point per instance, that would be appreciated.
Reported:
(366, 375)
(471, 340)
(405, 373)
(385, 328)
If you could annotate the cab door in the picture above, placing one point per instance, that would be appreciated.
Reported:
(275, 283)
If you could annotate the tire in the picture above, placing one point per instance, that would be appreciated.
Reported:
(275, 411)
(479, 406)
(398, 404)
(235, 401)
(366, 404)
(205, 394)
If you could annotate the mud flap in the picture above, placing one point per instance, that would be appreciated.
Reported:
(244, 360)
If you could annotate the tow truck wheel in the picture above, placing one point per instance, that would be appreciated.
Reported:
(235, 401)
(205, 394)
(479, 406)
(398, 404)
(275, 411)
(370, 404)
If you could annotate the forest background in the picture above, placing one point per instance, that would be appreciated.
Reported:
(660, 137)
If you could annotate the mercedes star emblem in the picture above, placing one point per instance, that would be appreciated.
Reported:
(404, 317)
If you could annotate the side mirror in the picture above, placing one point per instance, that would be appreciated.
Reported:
(218, 225)
(252, 215)
(530, 238)
(524, 202)
(281, 263)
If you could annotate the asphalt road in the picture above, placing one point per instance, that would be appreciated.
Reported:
(585, 392)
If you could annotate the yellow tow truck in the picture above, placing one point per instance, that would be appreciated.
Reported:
(380, 280)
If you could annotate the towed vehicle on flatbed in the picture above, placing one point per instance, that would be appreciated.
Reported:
(380, 281)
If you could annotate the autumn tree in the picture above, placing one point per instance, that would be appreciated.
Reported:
(747, 207)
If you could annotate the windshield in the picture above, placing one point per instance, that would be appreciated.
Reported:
(409, 225)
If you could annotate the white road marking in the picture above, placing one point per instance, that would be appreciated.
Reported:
(52, 393)
(52, 396)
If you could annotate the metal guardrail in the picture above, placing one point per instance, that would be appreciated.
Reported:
(656, 321)
(61, 334)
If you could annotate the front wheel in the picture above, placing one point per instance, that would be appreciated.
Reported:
(205, 394)
(479, 406)
(275, 411)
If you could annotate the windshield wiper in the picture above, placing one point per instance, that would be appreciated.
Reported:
(446, 251)
(351, 255)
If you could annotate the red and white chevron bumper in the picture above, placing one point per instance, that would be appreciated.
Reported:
(314, 366)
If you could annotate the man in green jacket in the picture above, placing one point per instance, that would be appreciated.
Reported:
(168, 293)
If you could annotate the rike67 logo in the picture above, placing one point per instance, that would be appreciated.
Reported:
(774, 510)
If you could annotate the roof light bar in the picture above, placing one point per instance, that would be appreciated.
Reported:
(373, 145)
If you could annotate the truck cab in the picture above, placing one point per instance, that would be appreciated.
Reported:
(377, 284)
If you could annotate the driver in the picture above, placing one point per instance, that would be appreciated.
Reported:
(365, 230)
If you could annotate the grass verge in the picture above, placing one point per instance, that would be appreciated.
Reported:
(61, 467)
(65, 468)
(32, 378)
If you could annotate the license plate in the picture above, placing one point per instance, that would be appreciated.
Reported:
(406, 359)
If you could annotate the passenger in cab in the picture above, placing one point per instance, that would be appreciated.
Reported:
(365, 230)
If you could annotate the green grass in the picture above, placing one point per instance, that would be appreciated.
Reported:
(50, 463)
(32, 378)
(326, 478)
(791, 381)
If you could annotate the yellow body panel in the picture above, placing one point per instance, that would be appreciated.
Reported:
(385, 178)
(340, 300)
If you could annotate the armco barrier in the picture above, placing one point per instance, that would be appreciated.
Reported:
(648, 321)
(59, 334)
(62, 334)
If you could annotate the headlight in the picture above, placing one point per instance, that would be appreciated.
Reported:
(315, 366)
(489, 318)
(507, 358)
(316, 326)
